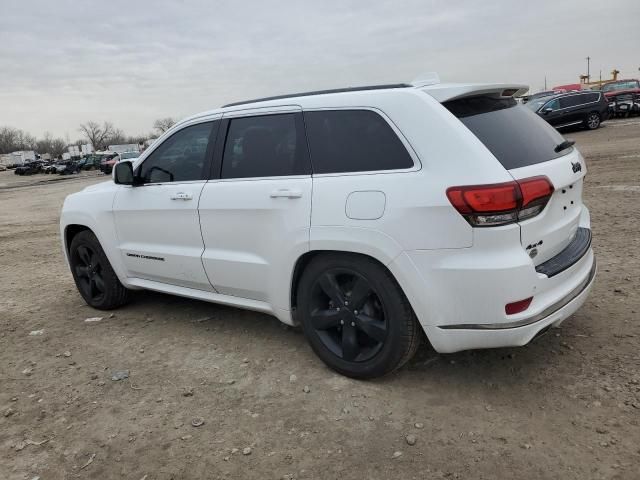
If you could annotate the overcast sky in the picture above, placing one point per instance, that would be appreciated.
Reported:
(64, 62)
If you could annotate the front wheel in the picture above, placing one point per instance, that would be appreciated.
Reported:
(355, 316)
(592, 121)
(96, 281)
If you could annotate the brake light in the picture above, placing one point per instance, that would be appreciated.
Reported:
(501, 203)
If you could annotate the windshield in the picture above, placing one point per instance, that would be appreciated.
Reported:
(126, 155)
(537, 103)
(613, 87)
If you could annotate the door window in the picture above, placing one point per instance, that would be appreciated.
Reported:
(180, 158)
(353, 141)
(553, 105)
(265, 146)
(571, 101)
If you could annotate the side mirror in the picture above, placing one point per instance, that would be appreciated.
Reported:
(123, 173)
(547, 110)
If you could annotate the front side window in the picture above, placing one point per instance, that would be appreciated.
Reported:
(180, 158)
(353, 141)
(553, 105)
(264, 146)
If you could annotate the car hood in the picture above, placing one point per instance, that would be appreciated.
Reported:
(98, 187)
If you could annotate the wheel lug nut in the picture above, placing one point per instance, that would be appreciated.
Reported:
(341, 322)
(353, 324)
(346, 303)
(355, 312)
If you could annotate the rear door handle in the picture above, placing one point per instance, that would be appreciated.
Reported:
(286, 193)
(181, 196)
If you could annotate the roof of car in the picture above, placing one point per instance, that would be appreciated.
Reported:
(321, 92)
(439, 91)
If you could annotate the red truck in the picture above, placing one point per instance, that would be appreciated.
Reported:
(623, 97)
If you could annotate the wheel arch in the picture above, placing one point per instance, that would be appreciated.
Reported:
(70, 231)
(304, 260)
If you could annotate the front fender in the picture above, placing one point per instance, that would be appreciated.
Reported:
(93, 210)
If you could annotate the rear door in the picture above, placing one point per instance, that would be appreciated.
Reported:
(255, 211)
(527, 146)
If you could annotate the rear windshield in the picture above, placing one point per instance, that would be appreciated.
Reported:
(515, 135)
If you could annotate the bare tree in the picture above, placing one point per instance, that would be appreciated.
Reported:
(163, 124)
(98, 135)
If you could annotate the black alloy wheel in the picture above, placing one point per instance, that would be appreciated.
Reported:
(347, 315)
(95, 278)
(355, 315)
(88, 271)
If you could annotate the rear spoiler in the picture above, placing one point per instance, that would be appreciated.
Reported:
(444, 92)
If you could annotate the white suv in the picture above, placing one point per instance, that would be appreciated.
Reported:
(366, 215)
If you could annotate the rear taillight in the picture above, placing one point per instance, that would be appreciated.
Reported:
(501, 203)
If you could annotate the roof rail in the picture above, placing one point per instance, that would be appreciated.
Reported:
(321, 92)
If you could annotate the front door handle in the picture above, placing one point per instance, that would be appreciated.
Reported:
(181, 196)
(286, 193)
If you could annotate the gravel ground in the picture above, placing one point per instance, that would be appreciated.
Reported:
(566, 406)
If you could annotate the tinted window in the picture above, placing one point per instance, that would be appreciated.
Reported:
(553, 104)
(591, 97)
(515, 135)
(264, 146)
(353, 141)
(571, 101)
(180, 158)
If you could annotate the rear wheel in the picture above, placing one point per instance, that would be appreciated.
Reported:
(96, 281)
(592, 121)
(355, 316)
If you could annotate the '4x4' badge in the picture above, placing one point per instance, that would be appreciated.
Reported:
(576, 167)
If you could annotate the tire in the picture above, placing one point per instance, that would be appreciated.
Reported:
(592, 121)
(377, 337)
(95, 279)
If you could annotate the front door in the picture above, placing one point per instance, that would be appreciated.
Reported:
(157, 221)
(255, 213)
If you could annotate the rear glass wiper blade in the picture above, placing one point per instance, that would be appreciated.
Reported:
(564, 145)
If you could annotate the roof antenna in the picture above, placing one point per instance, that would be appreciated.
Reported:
(424, 79)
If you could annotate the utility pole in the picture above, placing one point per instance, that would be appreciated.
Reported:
(588, 76)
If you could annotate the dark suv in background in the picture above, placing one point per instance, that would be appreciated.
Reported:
(587, 108)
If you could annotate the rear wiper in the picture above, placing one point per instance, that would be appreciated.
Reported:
(564, 145)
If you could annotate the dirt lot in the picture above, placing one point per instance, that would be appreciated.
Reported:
(566, 406)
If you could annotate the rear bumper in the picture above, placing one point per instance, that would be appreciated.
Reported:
(519, 332)
(459, 295)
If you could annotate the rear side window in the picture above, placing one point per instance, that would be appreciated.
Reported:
(514, 134)
(353, 141)
(265, 146)
(591, 97)
(571, 101)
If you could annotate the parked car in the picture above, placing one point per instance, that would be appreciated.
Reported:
(91, 161)
(447, 209)
(48, 168)
(587, 108)
(28, 168)
(68, 168)
(107, 162)
(623, 97)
